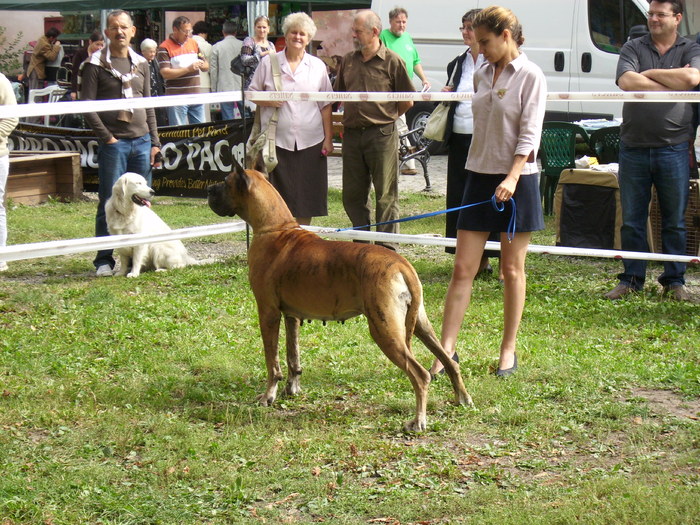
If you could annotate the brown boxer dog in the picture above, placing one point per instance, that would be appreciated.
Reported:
(295, 273)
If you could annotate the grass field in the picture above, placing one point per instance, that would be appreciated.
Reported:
(133, 400)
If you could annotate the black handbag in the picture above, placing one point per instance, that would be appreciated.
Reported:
(238, 68)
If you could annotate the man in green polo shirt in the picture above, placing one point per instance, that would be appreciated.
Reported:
(399, 41)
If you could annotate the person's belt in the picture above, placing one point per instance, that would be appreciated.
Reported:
(370, 126)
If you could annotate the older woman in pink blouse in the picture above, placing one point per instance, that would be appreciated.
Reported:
(304, 131)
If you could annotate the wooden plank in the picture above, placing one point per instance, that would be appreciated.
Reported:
(34, 176)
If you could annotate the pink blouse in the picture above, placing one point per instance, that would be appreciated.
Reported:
(299, 122)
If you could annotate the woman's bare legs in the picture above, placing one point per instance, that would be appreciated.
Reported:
(470, 247)
(513, 255)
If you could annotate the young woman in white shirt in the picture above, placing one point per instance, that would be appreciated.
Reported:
(508, 106)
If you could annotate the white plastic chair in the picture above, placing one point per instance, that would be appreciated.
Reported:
(54, 92)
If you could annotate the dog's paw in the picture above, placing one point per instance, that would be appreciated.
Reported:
(265, 399)
(464, 399)
(415, 425)
(292, 389)
(131, 275)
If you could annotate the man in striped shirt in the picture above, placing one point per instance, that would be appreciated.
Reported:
(180, 62)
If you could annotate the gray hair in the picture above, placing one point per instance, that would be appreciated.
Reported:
(396, 12)
(148, 44)
(299, 21)
(370, 19)
(229, 28)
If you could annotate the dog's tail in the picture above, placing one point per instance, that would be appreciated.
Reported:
(191, 261)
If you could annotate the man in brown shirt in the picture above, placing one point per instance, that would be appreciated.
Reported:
(370, 140)
(129, 137)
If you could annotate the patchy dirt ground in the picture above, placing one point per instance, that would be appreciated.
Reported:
(667, 403)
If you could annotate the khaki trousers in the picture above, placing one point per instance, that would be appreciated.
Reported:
(370, 158)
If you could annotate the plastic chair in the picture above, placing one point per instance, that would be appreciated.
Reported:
(558, 152)
(54, 92)
(605, 142)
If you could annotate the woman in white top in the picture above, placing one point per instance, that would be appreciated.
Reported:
(508, 104)
(460, 121)
(304, 131)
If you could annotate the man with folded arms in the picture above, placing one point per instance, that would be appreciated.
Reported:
(654, 141)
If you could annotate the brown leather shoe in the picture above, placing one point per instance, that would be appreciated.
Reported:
(619, 292)
(676, 292)
(409, 171)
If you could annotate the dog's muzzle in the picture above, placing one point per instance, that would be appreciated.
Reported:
(141, 201)
(216, 198)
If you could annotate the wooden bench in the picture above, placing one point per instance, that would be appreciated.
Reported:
(415, 149)
(35, 176)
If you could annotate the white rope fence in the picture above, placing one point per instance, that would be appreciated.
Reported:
(56, 248)
(87, 106)
(53, 248)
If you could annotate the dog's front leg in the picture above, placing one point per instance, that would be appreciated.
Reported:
(138, 257)
(293, 364)
(270, 330)
(124, 262)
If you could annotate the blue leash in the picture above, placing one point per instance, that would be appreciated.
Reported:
(498, 206)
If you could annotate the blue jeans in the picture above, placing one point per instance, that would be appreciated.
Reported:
(192, 114)
(113, 161)
(666, 168)
(227, 110)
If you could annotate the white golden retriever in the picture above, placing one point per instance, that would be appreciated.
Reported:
(129, 211)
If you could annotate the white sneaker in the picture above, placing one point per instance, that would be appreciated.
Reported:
(3, 266)
(104, 270)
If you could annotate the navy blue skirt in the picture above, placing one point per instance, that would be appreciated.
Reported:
(485, 218)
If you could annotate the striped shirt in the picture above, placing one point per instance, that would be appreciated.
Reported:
(173, 55)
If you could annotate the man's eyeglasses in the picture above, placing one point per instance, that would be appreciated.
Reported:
(660, 16)
(465, 28)
(117, 28)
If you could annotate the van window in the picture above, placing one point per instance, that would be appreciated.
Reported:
(610, 21)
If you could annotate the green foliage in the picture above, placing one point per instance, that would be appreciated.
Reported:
(10, 55)
(133, 400)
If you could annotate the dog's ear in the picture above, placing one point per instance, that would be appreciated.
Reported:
(259, 165)
(242, 181)
(237, 165)
(119, 188)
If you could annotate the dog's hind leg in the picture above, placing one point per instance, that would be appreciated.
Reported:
(270, 329)
(293, 363)
(389, 334)
(424, 331)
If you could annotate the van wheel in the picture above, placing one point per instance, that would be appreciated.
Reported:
(416, 118)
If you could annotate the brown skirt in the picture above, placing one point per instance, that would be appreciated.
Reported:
(301, 177)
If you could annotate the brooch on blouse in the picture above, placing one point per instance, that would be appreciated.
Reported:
(501, 93)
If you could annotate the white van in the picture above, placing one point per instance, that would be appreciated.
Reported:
(575, 42)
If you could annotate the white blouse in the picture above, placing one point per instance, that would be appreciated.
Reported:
(463, 121)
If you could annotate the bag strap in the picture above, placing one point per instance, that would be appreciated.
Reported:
(277, 79)
(454, 69)
(276, 73)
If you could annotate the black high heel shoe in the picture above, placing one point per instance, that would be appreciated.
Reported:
(508, 371)
(455, 358)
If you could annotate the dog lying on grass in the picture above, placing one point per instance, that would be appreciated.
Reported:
(128, 210)
(296, 274)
